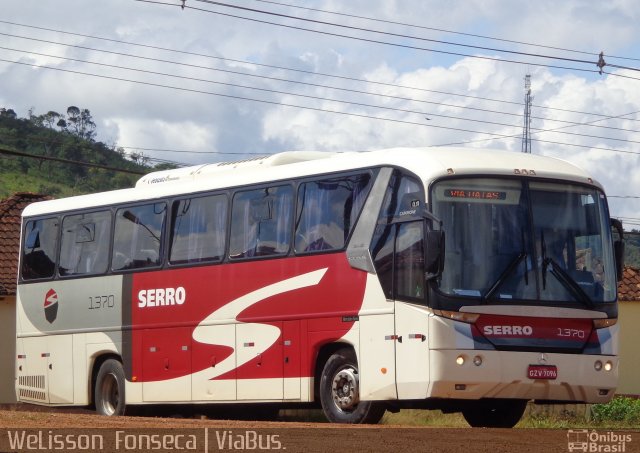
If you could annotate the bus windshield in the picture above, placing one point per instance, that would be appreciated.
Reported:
(510, 240)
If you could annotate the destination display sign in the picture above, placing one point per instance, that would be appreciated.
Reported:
(475, 194)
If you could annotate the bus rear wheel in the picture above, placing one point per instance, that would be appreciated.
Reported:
(109, 389)
(494, 413)
(340, 392)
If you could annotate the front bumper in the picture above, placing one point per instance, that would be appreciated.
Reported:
(503, 374)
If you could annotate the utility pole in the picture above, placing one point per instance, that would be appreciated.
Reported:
(526, 131)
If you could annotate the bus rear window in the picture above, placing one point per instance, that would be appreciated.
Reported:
(84, 247)
(39, 249)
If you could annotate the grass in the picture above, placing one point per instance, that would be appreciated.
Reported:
(619, 413)
(13, 182)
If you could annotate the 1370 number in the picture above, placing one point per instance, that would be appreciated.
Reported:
(97, 302)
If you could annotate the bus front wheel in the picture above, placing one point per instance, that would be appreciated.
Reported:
(109, 389)
(340, 392)
(494, 413)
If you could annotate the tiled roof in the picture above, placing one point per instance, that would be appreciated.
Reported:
(10, 211)
(629, 287)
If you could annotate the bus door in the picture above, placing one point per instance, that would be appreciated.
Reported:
(411, 315)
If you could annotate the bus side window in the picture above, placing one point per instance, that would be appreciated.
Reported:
(39, 249)
(261, 222)
(327, 212)
(198, 229)
(84, 247)
(138, 237)
(397, 248)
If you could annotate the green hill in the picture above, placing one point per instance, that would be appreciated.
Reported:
(69, 161)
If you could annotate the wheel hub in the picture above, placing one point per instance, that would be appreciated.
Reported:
(345, 390)
(110, 394)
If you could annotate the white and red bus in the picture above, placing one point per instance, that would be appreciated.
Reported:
(454, 279)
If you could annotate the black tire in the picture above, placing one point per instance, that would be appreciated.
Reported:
(494, 413)
(109, 390)
(340, 392)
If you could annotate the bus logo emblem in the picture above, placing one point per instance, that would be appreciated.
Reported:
(51, 305)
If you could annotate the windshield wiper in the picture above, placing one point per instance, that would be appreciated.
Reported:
(503, 277)
(562, 276)
(568, 282)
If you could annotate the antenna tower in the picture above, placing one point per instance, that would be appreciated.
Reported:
(526, 131)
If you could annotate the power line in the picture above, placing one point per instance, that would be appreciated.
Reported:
(245, 98)
(282, 104)
(373, 41)
(540, 131)
(68, 161)
(369, 40)
(372, 82)
(235, 85)
(355, 16)
(586, 146)
(321, 98)
(396, 35)
(288, 81)
(437, 41)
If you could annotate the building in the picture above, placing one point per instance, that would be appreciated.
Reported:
(629, 320)
(10, 211)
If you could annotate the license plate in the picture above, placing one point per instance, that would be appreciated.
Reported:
(542, 372)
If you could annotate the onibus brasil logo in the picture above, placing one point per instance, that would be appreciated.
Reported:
(51, 305)
(593, 441)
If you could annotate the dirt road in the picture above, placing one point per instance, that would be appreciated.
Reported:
(48, 429)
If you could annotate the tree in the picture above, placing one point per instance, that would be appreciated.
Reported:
(52, 118)
(81, 123)
(8, 113)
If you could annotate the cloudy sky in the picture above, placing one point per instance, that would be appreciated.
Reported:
(218, 80)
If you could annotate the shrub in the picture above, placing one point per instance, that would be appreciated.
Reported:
(619, 409)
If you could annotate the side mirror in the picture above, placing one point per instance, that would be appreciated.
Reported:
(434, 254)
(618, 248)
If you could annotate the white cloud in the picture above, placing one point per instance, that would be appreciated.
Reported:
(154, 117)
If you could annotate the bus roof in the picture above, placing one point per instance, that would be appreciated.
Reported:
(426, 163)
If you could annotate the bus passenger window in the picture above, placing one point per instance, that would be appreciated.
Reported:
(39, 249)
(198, 229)
(84, 247)
(138, 236)
(327, 212)
(261, 222)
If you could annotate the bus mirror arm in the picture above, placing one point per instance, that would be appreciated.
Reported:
(618, 248)
(434, 246)
(434, 254)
